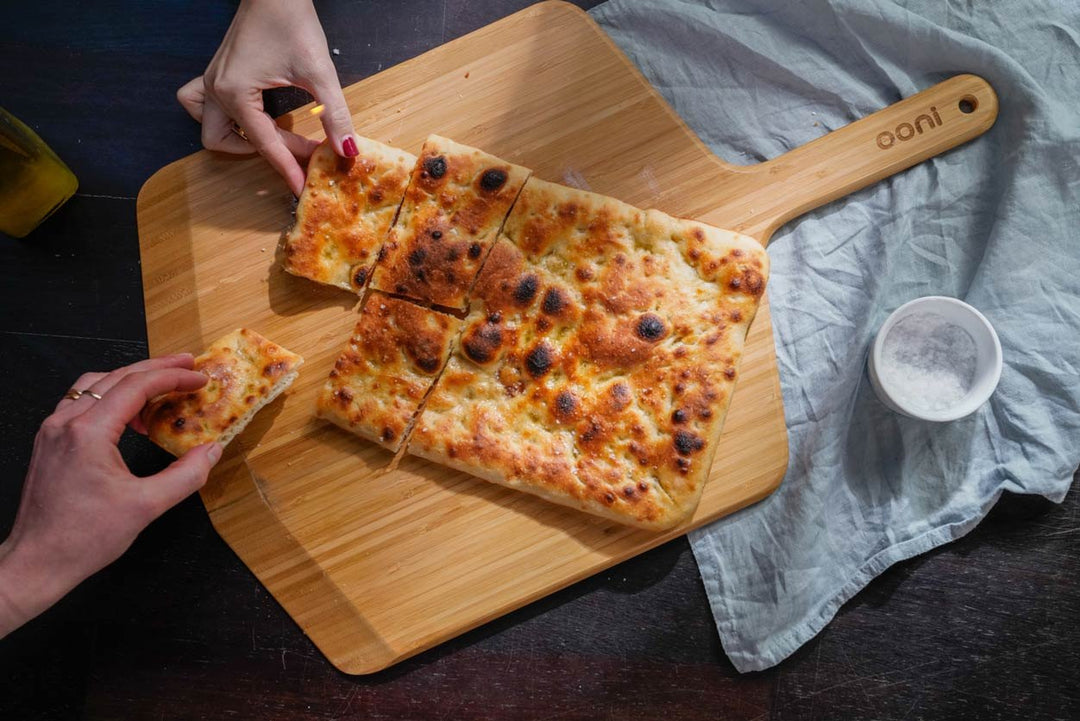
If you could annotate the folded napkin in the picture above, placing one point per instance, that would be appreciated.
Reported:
(995, 222)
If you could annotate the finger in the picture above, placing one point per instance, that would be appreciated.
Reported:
(298, 145)
(183, 477)
(124, 401)
(86, 380)
(218, 132)
(100, 383)
(301, 147)
(177, 360)
(192, 95)
(138, 425)
(336, 118)
(263, 133)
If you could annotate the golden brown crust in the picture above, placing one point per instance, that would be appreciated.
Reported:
(600, 357)
(456, 202)
(245, 371)
(396, 352)
(345, 212)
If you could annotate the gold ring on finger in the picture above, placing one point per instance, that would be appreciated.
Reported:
(75, 394)
(240, 131)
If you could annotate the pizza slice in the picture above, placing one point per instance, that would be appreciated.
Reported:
(599, 360)
(246, 373)
(456, 202)
(395, 354)
(345, 211)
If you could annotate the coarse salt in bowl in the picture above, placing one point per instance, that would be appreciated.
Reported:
(936, 359)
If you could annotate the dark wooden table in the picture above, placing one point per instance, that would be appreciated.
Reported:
(985, 628)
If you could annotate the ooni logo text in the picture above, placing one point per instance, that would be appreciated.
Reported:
(907, 131)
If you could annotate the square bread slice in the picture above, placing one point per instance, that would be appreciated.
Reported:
(455, 204)
(600, 357)
(246, 373)
(394, 356)
(345, 211)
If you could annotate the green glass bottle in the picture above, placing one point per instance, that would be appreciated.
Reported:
(34, 182)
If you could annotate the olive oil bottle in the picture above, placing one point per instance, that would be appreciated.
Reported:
(33, 181)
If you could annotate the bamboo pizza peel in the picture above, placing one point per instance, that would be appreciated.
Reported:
(375, 567)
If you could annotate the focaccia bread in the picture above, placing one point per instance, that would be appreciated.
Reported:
(246, 373)
(345, 211)
(396, 352)
(600, 356)
(456, 202)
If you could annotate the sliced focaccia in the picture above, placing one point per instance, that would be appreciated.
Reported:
(396, 352)
(246, 372)
(600, 356)
(456, 202)
(344, 212)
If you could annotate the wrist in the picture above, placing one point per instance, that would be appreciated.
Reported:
(26, 586)
(287, 6)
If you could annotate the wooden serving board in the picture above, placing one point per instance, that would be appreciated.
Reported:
(375, 565)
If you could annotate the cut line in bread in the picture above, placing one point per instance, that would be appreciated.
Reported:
(457, 200)
(396, 352)
(344, 213)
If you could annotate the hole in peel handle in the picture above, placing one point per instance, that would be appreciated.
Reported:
(880, 145)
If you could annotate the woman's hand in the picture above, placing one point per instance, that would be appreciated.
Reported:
(270, 44)
(81, 507)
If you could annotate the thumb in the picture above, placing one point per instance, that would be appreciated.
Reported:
(336, 117)
(183, 477)
(192, 95)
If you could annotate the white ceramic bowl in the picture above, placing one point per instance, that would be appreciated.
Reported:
(987, 358)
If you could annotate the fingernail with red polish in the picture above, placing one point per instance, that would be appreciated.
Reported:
(349, 146)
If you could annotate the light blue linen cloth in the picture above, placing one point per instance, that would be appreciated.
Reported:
(995, 222)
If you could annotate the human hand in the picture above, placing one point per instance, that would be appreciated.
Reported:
(270, 44)
(81, 507)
